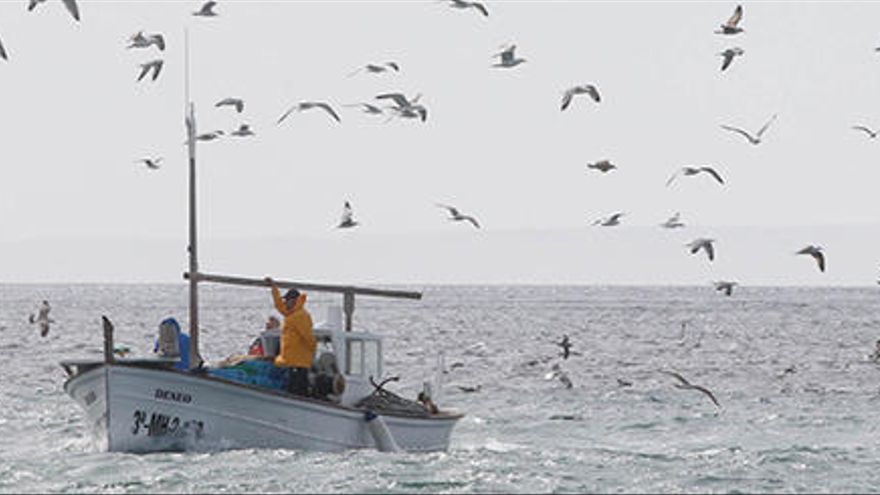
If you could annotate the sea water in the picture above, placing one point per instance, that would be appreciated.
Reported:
(799, 396)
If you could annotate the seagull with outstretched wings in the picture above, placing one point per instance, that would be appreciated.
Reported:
(457, 216)
(756, 139)
(686, 385)
(730, 27)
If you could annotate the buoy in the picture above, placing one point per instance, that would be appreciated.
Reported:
(380, 432)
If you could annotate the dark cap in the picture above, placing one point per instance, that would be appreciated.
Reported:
(291, 294)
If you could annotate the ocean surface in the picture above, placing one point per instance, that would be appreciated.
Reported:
(799, 396)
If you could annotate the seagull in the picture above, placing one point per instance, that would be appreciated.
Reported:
(151, 163)
(3, 51)
(558, 372)
(70, 4)
(470, 388)
(726, 286)
(704, 244)
(308, 105)
(456, 215)
(367, 108)
(155, 66)
(610, 221)
(405, 107)
(462, 4)
(207, 9)
(508, 59)
(588, 89)
(376, 68)
(566, 346)
(728, 56)
(238, 103)
(138, 40)
(602, 166)
(347, 219)
(693, 171)
(730, 27)
(673, 222)
(243, 130)
(42, 318)
(756, 139)
(871, 134)
(209, 136)
(686, 385)
(816, 253)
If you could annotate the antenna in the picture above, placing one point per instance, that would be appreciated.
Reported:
(190, 119)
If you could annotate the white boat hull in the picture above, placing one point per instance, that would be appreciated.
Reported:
(142, 409)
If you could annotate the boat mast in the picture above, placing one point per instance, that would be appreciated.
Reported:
(195, 358)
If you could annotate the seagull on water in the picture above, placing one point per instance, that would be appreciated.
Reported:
(602, 166)
(584, 89)
(559, 373)
(457, 216)
(508, 59)
(730, 27)
(70, 4)
(686, 385)
(694, 171)
(139, 40)
(610, 221)
(207, 10)
(673, 222)
(308, 105)
(729, 54)
(705, 245)
(462, 4)
(155, 66)
(756, 139)
(243, 130)
(347, 220)
(366, 107)
(816, 253)
(238, 103)
(871, 134)
(151, 163)
(723, 285)
(377, 68)
(42, 318)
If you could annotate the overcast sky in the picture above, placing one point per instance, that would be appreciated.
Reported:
(74, 205)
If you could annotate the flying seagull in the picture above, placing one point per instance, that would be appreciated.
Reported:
(816, 253)
(508, 59)
(705, 245)
(238, 103)
(405, 107)
(139, 40)
(730, 27)
(151, 163)
(3, 51)
(308, 105)
(70, 4)
(673, 222)
(756, 139)
(694, 171)
(602, 166)
(723, 285)
(377, 68)
(686, 385)
(155, 66)
(207, 9)
(347, 220)
(565, 344)
(729, 54)
(462, 4)
(210, 136)
(871, 134)
(42, 318)
(366, 107)
(457, 216)
(559, 373)
(610, 221)
(243, 130)
(584, 89)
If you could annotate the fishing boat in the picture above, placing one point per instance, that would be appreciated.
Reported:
(150, 405)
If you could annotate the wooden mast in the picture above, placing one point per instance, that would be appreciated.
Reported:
(195, 358)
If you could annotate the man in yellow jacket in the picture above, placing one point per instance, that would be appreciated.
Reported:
(298, 342)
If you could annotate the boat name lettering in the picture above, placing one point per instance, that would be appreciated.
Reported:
(172, 395)
(159, 424)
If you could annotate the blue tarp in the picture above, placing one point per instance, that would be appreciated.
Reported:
(259, 373)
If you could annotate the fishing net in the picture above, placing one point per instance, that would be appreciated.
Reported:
(382, 401)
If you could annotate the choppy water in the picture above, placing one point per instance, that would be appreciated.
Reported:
(814, 429)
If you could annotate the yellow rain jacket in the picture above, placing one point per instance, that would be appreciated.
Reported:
(298, 343)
